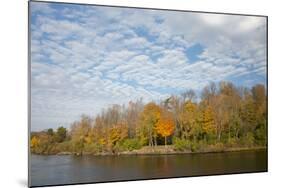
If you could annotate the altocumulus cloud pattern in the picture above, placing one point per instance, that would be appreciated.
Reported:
(86, 58)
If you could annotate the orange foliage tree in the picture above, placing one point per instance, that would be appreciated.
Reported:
(165, 126)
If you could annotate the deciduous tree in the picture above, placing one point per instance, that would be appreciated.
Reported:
(149, 118)
(165, 126)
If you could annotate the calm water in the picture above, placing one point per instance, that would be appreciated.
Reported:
(47, 170)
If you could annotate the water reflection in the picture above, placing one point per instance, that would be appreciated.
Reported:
(46, 170)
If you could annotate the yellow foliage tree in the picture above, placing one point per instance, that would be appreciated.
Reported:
(208, 121)
(149, 118)
(190, 117)
(117, 133)
(165, 126)
(34, 142)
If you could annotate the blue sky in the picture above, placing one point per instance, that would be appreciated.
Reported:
(86, 58)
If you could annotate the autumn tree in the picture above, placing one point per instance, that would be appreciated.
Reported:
(117, 134)
(208, 123)
(248, 113)
(211, 97)
(34, 143)
(100, 132)
(42, 143)
(132, 116)
(231, 103)
(80, 133)
(175, 106)
(148, 119)
(260, 102)
(191, 117)
(165, 126)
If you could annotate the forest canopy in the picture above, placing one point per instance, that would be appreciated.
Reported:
(221, 116)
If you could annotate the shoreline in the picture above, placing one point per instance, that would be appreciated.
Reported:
(197, 152)
(159, 150)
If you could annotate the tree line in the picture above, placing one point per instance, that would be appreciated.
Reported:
(222, 115)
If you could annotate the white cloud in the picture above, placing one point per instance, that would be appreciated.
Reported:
(214, 19)
(41, 8)
(251, 23)
(173, 58)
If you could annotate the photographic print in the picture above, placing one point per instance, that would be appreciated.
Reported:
(122, 93)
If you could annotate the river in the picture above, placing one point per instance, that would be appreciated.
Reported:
(67, 169)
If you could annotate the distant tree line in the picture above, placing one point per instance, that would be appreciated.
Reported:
(224, 115)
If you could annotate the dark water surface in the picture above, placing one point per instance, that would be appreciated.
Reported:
(53, 170)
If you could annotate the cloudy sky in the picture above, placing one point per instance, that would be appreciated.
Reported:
(86, 58)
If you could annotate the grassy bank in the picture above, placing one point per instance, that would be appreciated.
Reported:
(171, 150)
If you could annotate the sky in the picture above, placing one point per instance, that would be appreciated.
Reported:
(87, 58)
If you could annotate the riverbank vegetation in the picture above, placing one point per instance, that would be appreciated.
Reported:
(220, 118)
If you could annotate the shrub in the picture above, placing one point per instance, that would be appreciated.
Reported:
(128, 145)
(64, 146)
(181, 144)
(93, 148)
(195, 146)
(232, 142)
(249, 139)
(260, 135)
